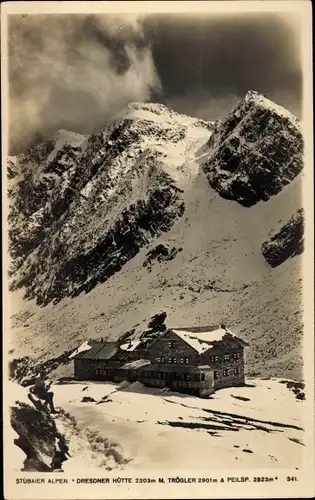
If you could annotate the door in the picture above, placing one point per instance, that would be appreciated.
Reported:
(206, 383)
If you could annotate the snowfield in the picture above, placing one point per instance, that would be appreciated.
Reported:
(259, 425)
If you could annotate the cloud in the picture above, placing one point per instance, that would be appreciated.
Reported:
(77, 71)
(198, 103)
(74, 72)
(214, 106)
(207, 63)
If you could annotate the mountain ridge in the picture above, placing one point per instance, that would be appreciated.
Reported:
(156, 179)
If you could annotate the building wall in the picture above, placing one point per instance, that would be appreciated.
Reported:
(86, 369)
(228, 366)
(181, 381)
(181, 351)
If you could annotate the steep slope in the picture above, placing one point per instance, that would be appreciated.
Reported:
(212, 271)
(38, 180)
(123, 190)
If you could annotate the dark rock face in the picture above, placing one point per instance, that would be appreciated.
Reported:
(38, 437)
(74, 217)
(40, 195)
(82, 272)
(160, 253)
(37, 432)
(255, 152)
(157, 323)
(286, 243)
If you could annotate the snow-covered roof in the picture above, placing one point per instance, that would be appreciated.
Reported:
(130, 346)
(83, 347)
(134, 365)
(203, 338)
(98, 350)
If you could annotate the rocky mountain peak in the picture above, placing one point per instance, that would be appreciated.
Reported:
(255, 152)
(152, 107)
(254, 98)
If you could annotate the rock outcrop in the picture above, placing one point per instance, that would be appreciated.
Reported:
(37, 433)
(255, 152)
(160, 253)
(286, 243)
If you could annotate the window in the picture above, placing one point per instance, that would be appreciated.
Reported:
(160, 359)
(163, 375)
(225, 373)
(202, 378)
(182, 360)
(159, 375)
(215, 374)
(172, 360)
(212, 359)
(187, 376)
(226, 357)
(216, 358)
(235, 355)
(175, 360)
(172, 344)
(236, 371)
(238, 355)
(186, 360)
(169, 360)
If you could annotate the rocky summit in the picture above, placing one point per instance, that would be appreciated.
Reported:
(255, 152)
(161, 211)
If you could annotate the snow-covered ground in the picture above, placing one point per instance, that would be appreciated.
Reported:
(132, 427)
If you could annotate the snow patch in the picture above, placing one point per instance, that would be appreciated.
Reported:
(83, 347)
(201, 341)
(130, 346)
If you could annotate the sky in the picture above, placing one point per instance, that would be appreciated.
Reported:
(77, 71)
